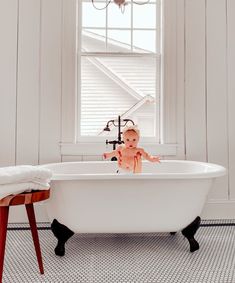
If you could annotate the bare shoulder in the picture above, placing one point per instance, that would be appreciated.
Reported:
(140, 149)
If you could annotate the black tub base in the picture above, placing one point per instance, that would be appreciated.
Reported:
(63, 233)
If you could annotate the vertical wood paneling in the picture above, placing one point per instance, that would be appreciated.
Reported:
(169, 69)
(28, 82)
(180, 63)
(195, 105)
(217, 136)
(231, 94)
(50, 96)
(8, 83)
(69, 63)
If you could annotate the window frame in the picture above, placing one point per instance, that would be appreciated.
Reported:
(170, 132)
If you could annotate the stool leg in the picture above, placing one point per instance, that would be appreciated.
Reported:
(33, 226)
(4, 211)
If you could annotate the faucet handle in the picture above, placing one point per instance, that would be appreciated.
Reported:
(107, 142)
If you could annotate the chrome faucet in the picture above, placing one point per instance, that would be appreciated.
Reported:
(119, 125)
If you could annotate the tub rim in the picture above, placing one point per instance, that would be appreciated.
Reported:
(217, 171)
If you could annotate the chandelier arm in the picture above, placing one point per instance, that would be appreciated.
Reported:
(122, 8)
(138, 3)
(100, 8)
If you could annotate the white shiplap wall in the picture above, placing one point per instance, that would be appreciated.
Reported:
(27, 80)
(32, 87)
(30, 84)
(8, 81)
(231, 95)
(208, 70)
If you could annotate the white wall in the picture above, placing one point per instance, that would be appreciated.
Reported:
(209, 94)
(31, 84)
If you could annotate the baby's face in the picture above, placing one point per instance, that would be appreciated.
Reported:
(131, 139)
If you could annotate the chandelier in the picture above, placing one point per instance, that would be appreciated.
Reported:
(120, 3)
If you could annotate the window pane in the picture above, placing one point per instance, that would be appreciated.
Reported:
(118, 19)
(112, 86)
(145, 40)
(119, 40)
(93, 40)
(92, 17)
(144, 16)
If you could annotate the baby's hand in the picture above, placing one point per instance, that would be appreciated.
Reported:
(156, 159)
(105, 155)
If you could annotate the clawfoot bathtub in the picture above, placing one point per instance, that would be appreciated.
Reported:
(90, 197)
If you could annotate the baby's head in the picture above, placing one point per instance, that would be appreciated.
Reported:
(131, 136)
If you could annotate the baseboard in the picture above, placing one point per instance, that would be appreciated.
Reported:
(219, 210)
(18, 214)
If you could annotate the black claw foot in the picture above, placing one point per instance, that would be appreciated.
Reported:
(60, 249)
(172, 233)
(62, 233)
(193, 245)
(189, 233)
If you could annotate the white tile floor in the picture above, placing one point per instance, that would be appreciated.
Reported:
(126, 258)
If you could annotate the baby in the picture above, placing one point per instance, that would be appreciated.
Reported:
(130, 156)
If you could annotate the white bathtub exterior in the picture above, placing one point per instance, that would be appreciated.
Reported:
(90, 197)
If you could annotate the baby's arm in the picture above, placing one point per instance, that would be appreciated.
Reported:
(149, 157)
(110, 154)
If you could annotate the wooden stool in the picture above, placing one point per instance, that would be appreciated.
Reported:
(27, 199)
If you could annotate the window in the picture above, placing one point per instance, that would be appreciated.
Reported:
(116, 56)
(119, 67)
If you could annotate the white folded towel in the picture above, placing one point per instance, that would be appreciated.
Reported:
(14, 189)
(23, 178)
(24, 174)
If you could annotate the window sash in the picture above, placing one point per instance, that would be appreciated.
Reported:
(155, 138)
(158, 24)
